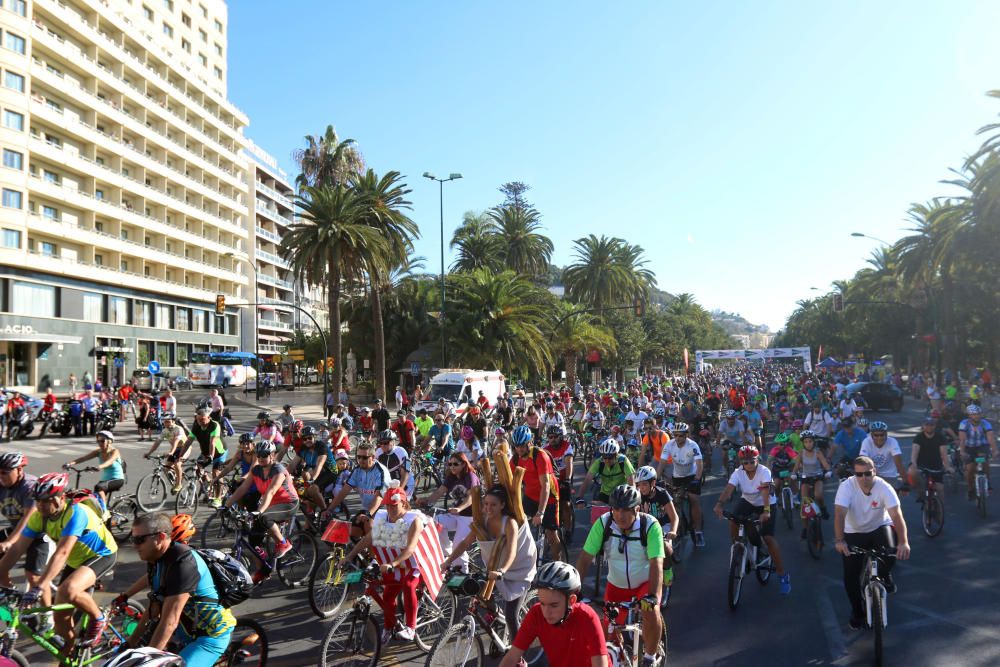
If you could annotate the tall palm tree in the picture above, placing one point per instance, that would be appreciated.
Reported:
(573, 333)
(329, 245)
(326, 160)
(478, 247)
(607, 272)
(384, 202)
(525, 250)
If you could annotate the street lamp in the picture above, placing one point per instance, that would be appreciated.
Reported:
(441, 182)
(859, 235)
(253, 310)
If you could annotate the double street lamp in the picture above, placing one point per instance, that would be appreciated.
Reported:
(441, 182)
(859, 235)
(256, 335)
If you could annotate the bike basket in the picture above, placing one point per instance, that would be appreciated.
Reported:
(597, 511)
(785, 473)
(353, 577)
(980, 459)
(338, 532)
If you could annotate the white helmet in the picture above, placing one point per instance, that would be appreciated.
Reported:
(145, 657)
(645, 474)
(608, 448)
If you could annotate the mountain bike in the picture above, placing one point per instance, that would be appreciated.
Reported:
(426, 473)
(729, 449)
(151, 491)
(786, 497)
(248, 645)
(811, 515)
(625, 647)
(748, 552)
(196, 486)
(684, 544)
(932, 510)
(875, 595)
(982, 482)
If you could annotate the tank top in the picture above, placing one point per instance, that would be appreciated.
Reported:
(811, 466)
(516, 580)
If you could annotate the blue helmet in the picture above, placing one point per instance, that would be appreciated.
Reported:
(521, 435)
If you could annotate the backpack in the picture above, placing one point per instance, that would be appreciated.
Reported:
(643, 529)
(621, 463)
(91, 500)
(553, 480)
(232, 580)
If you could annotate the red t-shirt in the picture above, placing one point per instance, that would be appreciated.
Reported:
(572, 644)
(534, 466)
(404, 431)
(366, 422)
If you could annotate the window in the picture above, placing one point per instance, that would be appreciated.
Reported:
(203, 35)
(167, 30)
(204, 11)
(123, 265)
(13, 120)
(19, 7)
(15, 43)
(11, 198)
(13, 81)
(218, 49)
(98, 260)
(186, 20)
(50, 176)
(142, 313)
(118, 310)
(32, 299)
(99, 195)
(218, 72)
(52, 104)
(11, 239)
(164, 316)
(218, 25)
(198, 320)
(203, 59)
(48, 249)
(50, 212)
(123, 235)
(168, 5)
(148, 13)
(186, 45)
(183, 319)
(13, 159)
(93, 307)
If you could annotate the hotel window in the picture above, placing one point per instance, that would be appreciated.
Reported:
(19, 7)
(164, 316)
(93, 307)
(203, 59)
(186, 45)
(11, 198)
(15, 43)
(50, 212)
(118, 310)
(186, 20)
(203, 35)
(168, 5)
(13, 120)
(13, 159)
(167, 30)
(198, 320)
(142, 313)
(98, 260)
(218, 50)
(13, 81)
(32, 299)
(12, 239)
(218, 25)
(50, 176)
(48, 249)
(218, 72)
(148, 13)
(183, 319)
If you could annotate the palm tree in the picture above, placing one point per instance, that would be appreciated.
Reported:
(607, 272)
(326, 160)
(477, 245)
(524, 249)
(331, 244)
(574, 332)
(384, 200)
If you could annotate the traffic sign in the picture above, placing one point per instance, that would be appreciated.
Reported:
(415, 368)
(246, 361)
(153, 367)
(119, 362)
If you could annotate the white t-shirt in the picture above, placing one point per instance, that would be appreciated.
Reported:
(637, 419)
(821, 424)
(753, 489)
(866, 512)
(882, 456)
(684, 457)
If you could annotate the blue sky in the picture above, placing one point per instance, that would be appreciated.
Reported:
(739, 143)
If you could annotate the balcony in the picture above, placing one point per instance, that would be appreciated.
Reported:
(273, 324)
(273, 259)
(273, 194)
(265, 348)
(278, 303)
(270, 236)
(271, 212)
(277, 282)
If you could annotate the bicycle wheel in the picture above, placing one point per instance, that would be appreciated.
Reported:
(121, 514)
(787, 506)
(534, 653)
(735, 575)
(218, 532)
(878, 621)
(932, 516)
(981, 491)
(684, 544)
(247, 645)
(458, 646)
(151, 492)
(567, 522)
(587, 454)
(121, 623)
(814, 537)
(19, 659)
(327, 588)
(186, 501)
(352, 641)
(434, 617)
(295, 566)
(763, 571)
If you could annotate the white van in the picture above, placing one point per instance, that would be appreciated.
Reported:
(460, 385)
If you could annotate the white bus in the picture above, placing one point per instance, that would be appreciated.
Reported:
(221, 369)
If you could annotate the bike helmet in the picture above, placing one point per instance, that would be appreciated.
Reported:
(307, 432)
(624, 497)
(145, 657)
(286, 406)
(681, 428)
(12, 460)
(181, 528)
(50, 485)
(107, 435)
(297, 426)
(729, 414)
(645, 474)
(807, 434)
(879, 427)
(557, 576)
(387, 435)
(468, 433)
(521, 436)
(499, 432)
(334, 422)
(748, 452)
(781, 439)
(608, 448)
(659, 413)
(167, 415)
(973, 409)
(263, 416)
(616, 429)
(265, 448)
(797, 423)
(550, 404)
(553, 431)
(245, 438)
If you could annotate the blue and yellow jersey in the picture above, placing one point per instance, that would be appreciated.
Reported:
(78, 520)
(182, 570)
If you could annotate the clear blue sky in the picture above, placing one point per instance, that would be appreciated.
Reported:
(738, 143)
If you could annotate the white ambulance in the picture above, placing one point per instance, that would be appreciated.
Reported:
(459, 386)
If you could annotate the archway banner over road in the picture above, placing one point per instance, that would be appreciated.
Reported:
(804, 353)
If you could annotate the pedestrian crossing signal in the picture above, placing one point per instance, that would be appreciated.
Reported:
(838, 303)
(220, 304)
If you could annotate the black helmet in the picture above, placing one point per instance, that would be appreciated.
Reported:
(245, 438)
(624, 497)
(263, 415)
(307, 432)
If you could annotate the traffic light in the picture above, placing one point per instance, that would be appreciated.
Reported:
(220, 304)
(838, 303)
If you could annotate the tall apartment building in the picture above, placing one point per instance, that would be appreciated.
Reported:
(125, 199)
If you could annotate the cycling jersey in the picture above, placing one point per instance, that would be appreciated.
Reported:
(684, 457)
(270, 432)
(17, 499)
(752, 490)
(285, 494)
(182, 570)
(554, 419)
(594, 422)
(559, 451)
(637, 419)
(655, 440)
(850, 441)
(92, 538)
(658, 498)
(369, 483)
(572, 643)
(396, 461)
(424, 425)
(975, 434)
(628, 561)
(612, 475)
(209, 438)
(734, 433)
(884, 456)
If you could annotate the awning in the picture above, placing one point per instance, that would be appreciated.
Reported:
(38, 337)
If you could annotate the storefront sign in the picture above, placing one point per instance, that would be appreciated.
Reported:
(17, 329)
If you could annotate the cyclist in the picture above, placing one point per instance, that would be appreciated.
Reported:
(278, 502)
(112, 470)
(181, 530)
(561, 451)
(811, 463)
(975, 435)
(611, 469)
(176, 438)
(422, 424)
(266, 429)
(593, 421)
(867, 515)
(553, 417)
(245, 459)
(17, 503)
(286, 419)
(184, 599)
(395, 459)
(477, 420)
(754, 481)
(381, 415)
(469, 445)
(653, 438)
(439, 438)
(569, 631)
(637, 417)
(732, 429)
(85, 551)
(885, 452)
(406, 431)
(370, 479)
(635, 561)
(657, 502)
(687, 474)
(541, 490)
(208, 434)
(928, 456)
(782, 458)
(459, 483)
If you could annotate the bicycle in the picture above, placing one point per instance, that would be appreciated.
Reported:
(728, 448)
(625, 645)
(932, 510)
(120, 512)
(196, 486)
(229, 531)
(15, 618)
(248, 644)
(875, 594)
(743, 556)
(787, 497)
(812, 515)
(151, 491)
(426, 473)
(684, 544)
(982, 482)
(543, 556)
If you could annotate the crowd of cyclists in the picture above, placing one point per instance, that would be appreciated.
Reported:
(641, 444)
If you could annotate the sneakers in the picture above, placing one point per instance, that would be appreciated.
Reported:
(282, 548)
(94, 631)
(176, 489)
(216, 502)
(386, 636)
(406, 634)
(786, 584)
(699, 539)
(259, 576)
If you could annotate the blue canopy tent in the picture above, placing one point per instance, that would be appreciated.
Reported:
(830, 362)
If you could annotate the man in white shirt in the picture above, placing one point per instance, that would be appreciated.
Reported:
(867, 515)
(884, 451)
(637, 417)
(819, 421)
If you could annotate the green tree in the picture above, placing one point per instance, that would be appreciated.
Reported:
(576, 332)
(607, 272)
(326, 160)
(525, 249)
(478, 247)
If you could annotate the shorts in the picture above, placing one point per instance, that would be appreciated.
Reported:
(218, 461)
(180, 452)
(971, 453)
(614, 594)
(101, 565)
(201, 651)
(936, 475)
(690, 483)
(325, 479)
(37, 556)
(745, 509)
(550, 518)
(109, 485)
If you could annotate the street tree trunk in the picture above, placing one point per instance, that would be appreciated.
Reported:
(378, 327)
(333, 303)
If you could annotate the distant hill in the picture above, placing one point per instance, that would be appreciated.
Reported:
(733, 323)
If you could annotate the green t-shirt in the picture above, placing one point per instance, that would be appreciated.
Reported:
(613, 475)
(628, 568)
(423, 425)
(950, 392)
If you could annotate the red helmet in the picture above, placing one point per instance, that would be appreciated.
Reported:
(50, 485)
(748, 452)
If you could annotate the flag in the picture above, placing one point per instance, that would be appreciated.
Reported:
(426, 558)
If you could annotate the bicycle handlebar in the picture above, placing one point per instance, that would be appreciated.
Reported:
(874, 553)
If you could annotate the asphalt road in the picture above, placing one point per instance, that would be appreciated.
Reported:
(944, 613)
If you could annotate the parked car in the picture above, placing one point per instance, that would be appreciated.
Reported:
(878, 395)
(143, 379)
(182, 382)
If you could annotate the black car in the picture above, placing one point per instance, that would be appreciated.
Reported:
(878, 395)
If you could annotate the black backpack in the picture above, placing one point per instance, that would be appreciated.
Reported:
(600, 464)
(232, 580)
(644, 520)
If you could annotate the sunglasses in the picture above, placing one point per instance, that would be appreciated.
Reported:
(139, 539)
(866, 473)
(454, 464)
(365, 458)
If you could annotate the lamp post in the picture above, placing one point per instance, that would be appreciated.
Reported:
(859, 235)
(253, 311)
(441, 182)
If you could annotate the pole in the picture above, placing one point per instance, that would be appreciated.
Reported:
(444, 340)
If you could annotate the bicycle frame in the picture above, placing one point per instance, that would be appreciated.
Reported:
(616, 639)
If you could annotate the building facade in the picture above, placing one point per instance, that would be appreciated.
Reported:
(127, 195)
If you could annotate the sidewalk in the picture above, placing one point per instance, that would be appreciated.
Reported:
(306, 402)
